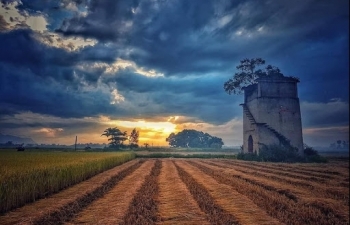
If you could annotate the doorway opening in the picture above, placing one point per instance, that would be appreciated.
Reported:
(250, 144)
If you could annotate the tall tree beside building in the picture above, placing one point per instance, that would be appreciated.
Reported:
(248, 71)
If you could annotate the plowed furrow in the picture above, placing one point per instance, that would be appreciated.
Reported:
(112, 207)
(277, 187)
(279, 172)
(334, 191)
(299, 169)
(176, 205)
(268, 175)
(276, 205)
(143, 208)
(64, 205)
(220, 201)
(328, 168)
(300, 196)
(332, 168)
(214, 213)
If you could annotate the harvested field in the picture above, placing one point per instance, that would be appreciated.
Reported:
(199, 191)
(107, 211)
(172, 207)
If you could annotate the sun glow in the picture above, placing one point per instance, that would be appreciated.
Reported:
(164, 127)
(152, 132)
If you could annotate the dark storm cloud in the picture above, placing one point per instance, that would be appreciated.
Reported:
(100, 53)
(42, 79)
(56, 87)
(3, 24)
(200, 97)
(22, 91)
(318, 114)
(19, 47)
(102, 22)
(70, 124)
(195, 44)
(191, 37)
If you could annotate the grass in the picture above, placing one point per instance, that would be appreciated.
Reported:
(28, 176)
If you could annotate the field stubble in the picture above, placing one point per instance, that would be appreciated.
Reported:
(177, 205)
(284, 204)
(198, 191)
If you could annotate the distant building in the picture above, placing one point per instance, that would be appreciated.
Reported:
(271, 114)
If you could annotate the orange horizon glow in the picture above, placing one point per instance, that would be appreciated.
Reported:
(151, 132)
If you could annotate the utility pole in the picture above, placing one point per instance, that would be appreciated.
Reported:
(75, 146)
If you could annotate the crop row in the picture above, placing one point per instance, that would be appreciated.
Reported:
(68, 211)
(111, 208)
(276, 203)
(182, 191)
(176, 204)
(143, 208)
(215, 213)
(41, 179)
(277, 171)
(337, 189)
(293, 188)
(326, 169)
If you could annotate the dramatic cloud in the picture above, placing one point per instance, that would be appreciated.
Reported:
(150, 60)
(334, 112)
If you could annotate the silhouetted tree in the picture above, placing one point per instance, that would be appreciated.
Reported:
(134, 138)
(21, 148)
(9, 143)
(340, 144)
(115, 137)
(194, 139)
(248, 72)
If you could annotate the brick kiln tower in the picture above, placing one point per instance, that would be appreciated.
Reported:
(271, 114)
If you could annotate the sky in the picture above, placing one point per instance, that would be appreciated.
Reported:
(74, 68)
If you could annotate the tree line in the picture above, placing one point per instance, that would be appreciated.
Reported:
(339, 144)
(183, 139)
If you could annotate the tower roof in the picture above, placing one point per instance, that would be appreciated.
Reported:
(277, 78)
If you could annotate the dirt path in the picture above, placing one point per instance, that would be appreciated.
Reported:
(176, 205)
